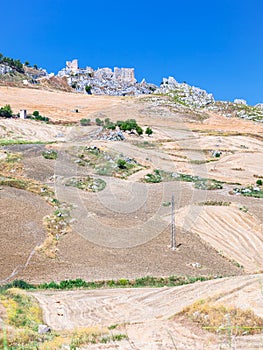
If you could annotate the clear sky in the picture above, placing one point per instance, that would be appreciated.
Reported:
(213, 44)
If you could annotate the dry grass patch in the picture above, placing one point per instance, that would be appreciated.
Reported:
(10, 163)
(80, 337)
(22, 317)
(223, 319)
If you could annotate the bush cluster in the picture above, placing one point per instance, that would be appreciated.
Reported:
(84, 121)
(124, 125)
(37, 116)
(50, 154)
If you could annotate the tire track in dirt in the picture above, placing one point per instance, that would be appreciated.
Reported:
(232, 232)
(147, 314)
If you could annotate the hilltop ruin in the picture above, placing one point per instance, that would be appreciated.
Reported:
(119, 81)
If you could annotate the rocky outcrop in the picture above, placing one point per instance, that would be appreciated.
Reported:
(104, 81)
(185, 94)
(4, 69)
(240, 101)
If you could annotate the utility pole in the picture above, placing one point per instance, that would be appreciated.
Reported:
(173, 241)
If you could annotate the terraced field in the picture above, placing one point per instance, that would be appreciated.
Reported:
(123, 229)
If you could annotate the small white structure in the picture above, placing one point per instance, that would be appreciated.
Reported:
(22, 113)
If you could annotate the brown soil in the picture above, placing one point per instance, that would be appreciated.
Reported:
(123, 231)
(21, 230)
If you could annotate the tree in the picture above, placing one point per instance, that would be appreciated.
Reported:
(36, 113)
(88, 89)
(35, 66)
(121, 163)
(110, 126)
(139, 130)
(6, 112)
(27, 63)
(148, 131)
(123, 126)
(99, 122)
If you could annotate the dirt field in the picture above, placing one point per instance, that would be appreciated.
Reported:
(21, 227)
(56, 105)
(148, 316)
(124, 231)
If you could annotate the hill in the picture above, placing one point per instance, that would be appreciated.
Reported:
(93, 201)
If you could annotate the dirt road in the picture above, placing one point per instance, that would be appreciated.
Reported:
(147, 314)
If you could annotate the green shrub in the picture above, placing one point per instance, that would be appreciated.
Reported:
(139, 130)
(6, 111)
(88, 89)
(35, 113)
(148, 131)
(259, 182)
(99, 122)
(42, 119)
(20, 284)
(121, 164)
(37, 116)
(109, 124)
(50, 154)
(154, 178)
(127, 125)
(85, 122)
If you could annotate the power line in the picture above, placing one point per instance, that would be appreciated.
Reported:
(173, 240)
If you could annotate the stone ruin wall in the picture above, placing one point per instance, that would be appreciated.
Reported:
(72, 66)
(124, 74)
(121, 74)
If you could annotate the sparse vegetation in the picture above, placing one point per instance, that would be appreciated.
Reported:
(107, 163)
(88, 184)
(23, 316)
(215, 203)
(7, 142)
(199, 182)
(218, 318)
(240, 110)
(144, 144)
(249, 191)
(153, 178)
(50, 154)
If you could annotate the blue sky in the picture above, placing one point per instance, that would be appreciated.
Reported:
(215, 44)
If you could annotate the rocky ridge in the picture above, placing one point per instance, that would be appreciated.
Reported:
(185, 94)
